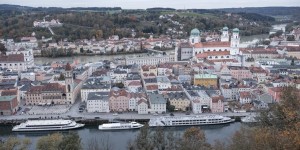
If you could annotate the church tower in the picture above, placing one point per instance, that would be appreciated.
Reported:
(225, 35)
(235, 41)
(195, 36)
(69, 84)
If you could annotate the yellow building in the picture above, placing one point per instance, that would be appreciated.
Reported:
(206, 80)
(179, 100)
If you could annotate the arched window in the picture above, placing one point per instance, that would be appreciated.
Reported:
(214, 50)
(219, 49)
(225, 49)
(216, 57)
(222, 56)
(227, 57)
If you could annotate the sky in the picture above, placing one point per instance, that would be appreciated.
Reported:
(143, 4)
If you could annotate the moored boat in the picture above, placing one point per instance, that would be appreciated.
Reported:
(47, 125)
(189, 120)
(120, 126)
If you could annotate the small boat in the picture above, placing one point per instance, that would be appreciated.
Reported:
(169, 121)
(249, 119)
(47, 125)
(120, 126)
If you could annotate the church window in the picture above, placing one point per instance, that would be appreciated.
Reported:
(219, 49)
(227, 57)
(214, 50)
(69, 88)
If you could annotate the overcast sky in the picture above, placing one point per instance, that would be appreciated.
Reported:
(142, 4)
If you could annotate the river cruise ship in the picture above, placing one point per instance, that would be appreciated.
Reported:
(120, 126)
(47, 125)
(189, 120)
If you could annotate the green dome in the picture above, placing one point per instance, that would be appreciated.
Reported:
(236, 30)
(195, 32)
(225, 28)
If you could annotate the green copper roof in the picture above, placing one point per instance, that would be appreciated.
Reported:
(6, 98)
(205, 76)
(236, 30)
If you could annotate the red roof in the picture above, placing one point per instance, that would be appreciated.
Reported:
(216, 44)
(12, 58)
(68, 67)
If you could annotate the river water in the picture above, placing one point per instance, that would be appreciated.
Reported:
(119, 139)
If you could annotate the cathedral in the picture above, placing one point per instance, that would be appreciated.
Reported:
(225, 49)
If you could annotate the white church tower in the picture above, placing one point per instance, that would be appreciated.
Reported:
(235, 42)
(69, 84)
(225, 35)
(195, 36)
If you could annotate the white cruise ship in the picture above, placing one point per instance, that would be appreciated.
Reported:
(120, 126)
(189, 120)
(47, 125)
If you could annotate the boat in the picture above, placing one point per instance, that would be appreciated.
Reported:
(169, 121)
(120, 126)
(249, 119)
(47, 125)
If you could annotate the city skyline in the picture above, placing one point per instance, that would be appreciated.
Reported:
(143, 4)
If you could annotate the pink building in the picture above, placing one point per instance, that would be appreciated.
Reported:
(275, 92)
(119, 100)
(240, 72)
(217, 104)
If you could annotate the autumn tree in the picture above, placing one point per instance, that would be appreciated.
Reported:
(13, 143)
(49, 142)
(2, 48)
(278, 126)
(71, 141)
(194, 139)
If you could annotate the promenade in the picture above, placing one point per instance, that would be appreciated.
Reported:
(73, 112)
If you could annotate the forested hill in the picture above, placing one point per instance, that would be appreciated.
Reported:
(269, 11)
(102, 22)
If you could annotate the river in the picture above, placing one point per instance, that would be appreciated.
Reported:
(118, 140)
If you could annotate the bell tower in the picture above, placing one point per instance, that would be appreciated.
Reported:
(69, 84)
(225, 35)
(235, 41)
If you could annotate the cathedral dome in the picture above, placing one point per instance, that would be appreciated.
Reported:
(236, 30)
(195, 32)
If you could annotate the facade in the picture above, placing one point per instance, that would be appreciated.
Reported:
(134, 98)
(245, 97)
(51, 93)
(97, 102)
(240, 73)
(217, 104)
(142, 107)
(157, 103)
(179, 100)
(13, 62)
(94, 85)
(119, 100)
(8, 105)
(206, 80)
(148, 60)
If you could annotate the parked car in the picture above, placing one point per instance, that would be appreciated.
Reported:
(115, 114)
(171, 114)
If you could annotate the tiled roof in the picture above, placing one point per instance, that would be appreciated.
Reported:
(12, 58)
(9, 92)
(216, 44)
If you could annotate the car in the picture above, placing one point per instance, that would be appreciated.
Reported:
(155, 114)
(187, 113)
(171, 114)
(115, 114)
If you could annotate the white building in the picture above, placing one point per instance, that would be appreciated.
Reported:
(93, 85)
(98, 102)
(118, 76)
(28, 75)
(148, 60)
(163, 82)
(142, 107)
(157, 103)
(134, 99)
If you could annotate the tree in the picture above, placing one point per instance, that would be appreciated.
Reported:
(142, 141)
(70, 141)
(290, 38)
(170, 107)
(49, 142)
(278, 127)
(293, 62)
(193, 139)
(61, 77)
(2, 48)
